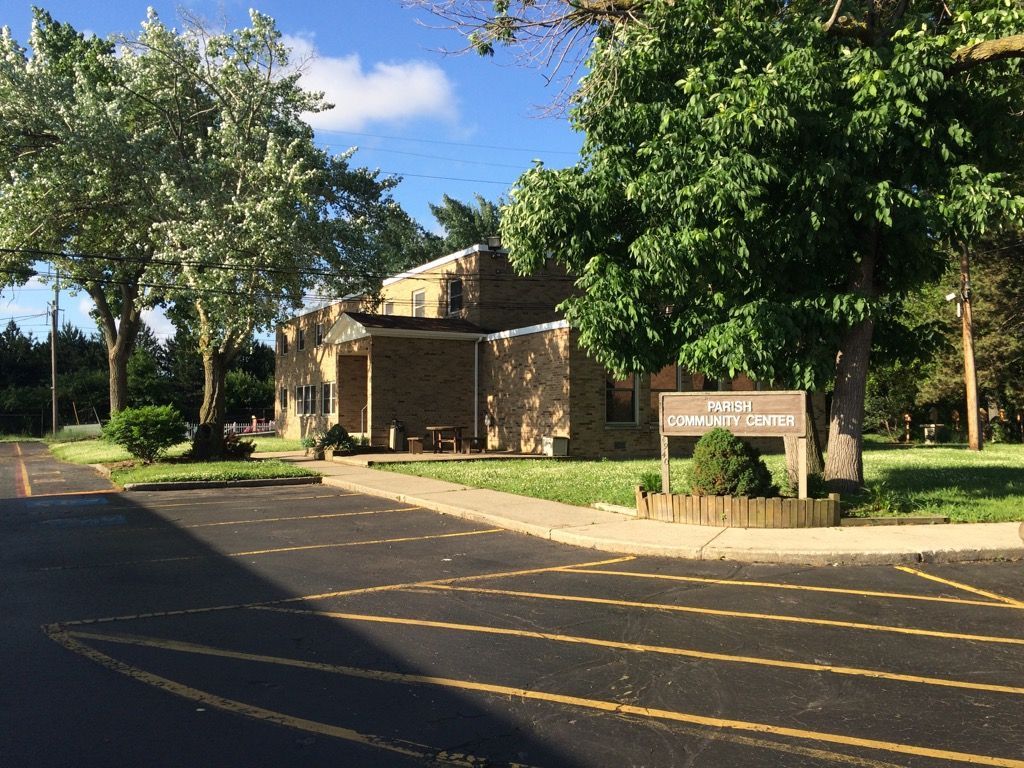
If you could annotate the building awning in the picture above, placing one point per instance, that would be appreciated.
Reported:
(352, 326)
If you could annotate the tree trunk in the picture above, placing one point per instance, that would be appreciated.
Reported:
(815, 462)
(211, 413)
(119, 335)
(844, 469)
(117, 362)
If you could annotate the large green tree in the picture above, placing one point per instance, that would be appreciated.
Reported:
(81, 152)
(466, 224)
(761, 182)
(254, 213)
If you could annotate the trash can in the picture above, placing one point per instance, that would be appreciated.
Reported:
(396, 436)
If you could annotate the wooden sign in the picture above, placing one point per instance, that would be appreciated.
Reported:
(746, 414)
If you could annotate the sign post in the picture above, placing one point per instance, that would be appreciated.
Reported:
(745, 414)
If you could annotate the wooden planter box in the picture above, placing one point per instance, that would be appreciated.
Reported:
(738, 511)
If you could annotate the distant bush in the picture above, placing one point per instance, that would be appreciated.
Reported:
(723, 465)
(237, 448)
(146, 432)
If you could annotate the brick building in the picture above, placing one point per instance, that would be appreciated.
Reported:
(463, 340)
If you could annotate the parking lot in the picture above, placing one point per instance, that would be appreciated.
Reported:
(313, 626)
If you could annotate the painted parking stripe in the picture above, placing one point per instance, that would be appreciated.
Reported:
(22, 486)
(277, 550)
(432, 755)
(643, 648)
(297, 517)
(613, 707)
(802, 588)
(253, 501)
(1009, 601)
(733, 614)
(340, 593)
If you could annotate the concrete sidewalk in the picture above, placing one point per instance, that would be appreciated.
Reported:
(615, 532)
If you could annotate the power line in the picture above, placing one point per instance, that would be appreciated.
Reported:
(451, 143)
(403, 174)
(517, 166)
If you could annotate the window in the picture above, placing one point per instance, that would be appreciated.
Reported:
(389, 307)
(319, 334)
(419, 303)
(283, 399)
(620, 400)
(301, 343)
(282, 342)
(669, 379)
(305, 400)
(454, 296)
(329, 398)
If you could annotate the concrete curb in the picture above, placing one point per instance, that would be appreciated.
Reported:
(622, 534)
(193, 485)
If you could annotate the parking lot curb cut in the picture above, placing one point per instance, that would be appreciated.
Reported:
(193, 485)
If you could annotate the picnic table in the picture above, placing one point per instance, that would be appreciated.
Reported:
(442, 436)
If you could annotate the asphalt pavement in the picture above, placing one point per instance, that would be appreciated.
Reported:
(321, 626)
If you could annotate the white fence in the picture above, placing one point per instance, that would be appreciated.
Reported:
(254, 427)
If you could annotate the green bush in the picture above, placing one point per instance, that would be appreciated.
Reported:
(335, 439)
(650, 481)
(146, 432)
(723, 465)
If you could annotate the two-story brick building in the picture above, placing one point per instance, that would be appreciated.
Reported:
(463, 340)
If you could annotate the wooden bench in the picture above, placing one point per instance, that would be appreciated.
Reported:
(470, 444)
(414, 444)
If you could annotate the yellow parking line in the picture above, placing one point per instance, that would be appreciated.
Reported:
(432, 755)
(643, 648)
(298, 517)
(734, 614)
(26, 486)
(614, 707)
(73, 493)
(211, 502)
(802, 588)
(339, 593)
(277, 550)
(1009, 601)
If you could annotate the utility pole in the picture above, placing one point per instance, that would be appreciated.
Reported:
(974, 436)
(53, 349)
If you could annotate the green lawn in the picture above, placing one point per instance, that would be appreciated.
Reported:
(923, 480)
(266, 444)
(98, 451)
(209, 470)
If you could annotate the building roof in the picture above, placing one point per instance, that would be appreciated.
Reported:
(360, 325)
(405, 323)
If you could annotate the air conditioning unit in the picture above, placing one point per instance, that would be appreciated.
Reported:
(555, 446)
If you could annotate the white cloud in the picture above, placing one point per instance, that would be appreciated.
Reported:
(85, 306)
(385, 92)
(158, 323)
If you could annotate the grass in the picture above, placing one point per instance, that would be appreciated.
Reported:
(208, 470)
(97, 451)
(923, 480)
(264, 444)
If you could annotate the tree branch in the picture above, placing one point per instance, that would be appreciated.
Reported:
(834, 17)
(986, 52)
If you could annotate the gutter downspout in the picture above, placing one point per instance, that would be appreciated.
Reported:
(476, 386)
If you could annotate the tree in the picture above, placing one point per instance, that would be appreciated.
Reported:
(81, 152)
(254, 213)
(466, 224)
(760, 184)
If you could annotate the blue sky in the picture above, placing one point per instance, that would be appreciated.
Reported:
(455, 125)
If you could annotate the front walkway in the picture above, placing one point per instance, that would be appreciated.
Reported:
(614, 532)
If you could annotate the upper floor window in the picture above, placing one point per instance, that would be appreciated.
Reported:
(319, 334)
(389, 307)
(454, 296)
(419, 303)
(282, 342)
(301, 340)
(620, 400)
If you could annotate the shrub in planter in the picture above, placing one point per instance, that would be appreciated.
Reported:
(723, 465)
(335, 439)
(146, 432)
